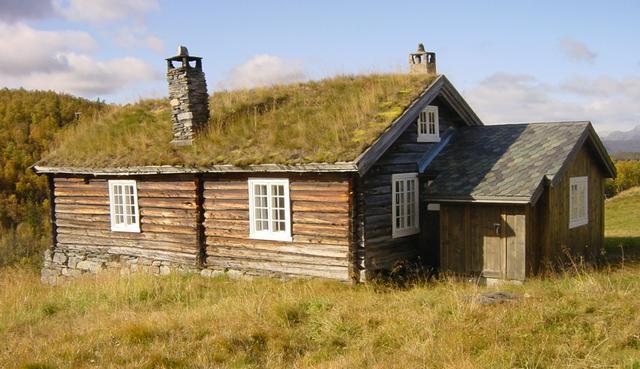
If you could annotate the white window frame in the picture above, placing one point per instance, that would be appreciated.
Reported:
(115, 225)
(578, 213)
(429, 125)
(269, 234)
(406, 230)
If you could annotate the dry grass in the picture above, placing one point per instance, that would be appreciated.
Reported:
(320, 121)
(581, 321)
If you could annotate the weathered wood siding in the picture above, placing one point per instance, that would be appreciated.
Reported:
(378, 249)
(554, 241)
(167, 219)
(470, 244)
(321, 229)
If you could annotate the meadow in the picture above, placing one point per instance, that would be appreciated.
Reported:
(582, 318)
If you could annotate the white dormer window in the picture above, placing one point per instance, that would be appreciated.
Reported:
(123, 206)
(428, 127)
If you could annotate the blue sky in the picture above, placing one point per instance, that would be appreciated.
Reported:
(514, 61)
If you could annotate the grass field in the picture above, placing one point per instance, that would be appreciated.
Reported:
(622, 223)
(581, 319)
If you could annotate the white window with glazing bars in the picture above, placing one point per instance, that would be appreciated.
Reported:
(405, 204)
(123, 204)
(269, 209)
(428, 125)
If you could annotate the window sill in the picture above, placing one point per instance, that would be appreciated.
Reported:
(129, 230)
(578, 223)
(271, 237)
(428, 139)
(405, 232)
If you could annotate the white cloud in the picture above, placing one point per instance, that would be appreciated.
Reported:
(16, 10)
(62, 61)
(577, 51)
(26, 49)
(610, 103)
(104, 11)
(264, 70)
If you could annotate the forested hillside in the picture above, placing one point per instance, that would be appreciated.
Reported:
(29, 121)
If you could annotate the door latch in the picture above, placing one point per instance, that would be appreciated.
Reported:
(496, 226)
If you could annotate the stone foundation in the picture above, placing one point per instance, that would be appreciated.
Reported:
(63, 264)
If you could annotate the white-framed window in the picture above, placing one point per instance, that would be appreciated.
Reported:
(578, 201)
(123, 205)
(269, 209)
(405, 204)
(428, 125)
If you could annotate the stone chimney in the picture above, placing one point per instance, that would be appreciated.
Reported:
(188, 96)
(422, 61)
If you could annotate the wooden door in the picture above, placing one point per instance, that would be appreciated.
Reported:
(493, 244)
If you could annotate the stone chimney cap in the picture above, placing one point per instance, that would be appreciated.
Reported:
(183, 54)
(421, 48)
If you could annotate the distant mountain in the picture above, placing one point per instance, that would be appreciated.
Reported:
(623, 141)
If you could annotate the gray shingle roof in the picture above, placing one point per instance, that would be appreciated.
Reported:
(502, 161)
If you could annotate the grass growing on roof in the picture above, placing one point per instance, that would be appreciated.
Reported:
(323, 121)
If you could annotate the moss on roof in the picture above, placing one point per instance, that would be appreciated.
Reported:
(326, 121)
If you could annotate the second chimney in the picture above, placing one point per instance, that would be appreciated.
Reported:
(422, 61)
(188, 97)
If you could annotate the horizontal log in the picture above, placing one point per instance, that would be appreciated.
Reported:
(226, 232)
(319, 195)
(140, 244)
(240, 225)
(218, 205)
(262, 267)
(258, 254)
(82, 209)
(186, 239)
(320, 230)
(171, 256)
(328, 207)
(168, 213)
(166, 203)
(378, 190)
(172, 229)
(224, 194)
(84, 224)
(319, 185)
(171, 186)
(82, 185)
(81, 192)
(226, 185)
(321, 239)
(82, 200)
(181, 194)
(340, 256)
(227, 214)
(76, 180)
(246, 242)
(308, 217)
(191, 222)
(84, 217)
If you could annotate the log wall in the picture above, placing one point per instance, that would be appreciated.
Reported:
(378, 250)
(320, 221)
(167, 219)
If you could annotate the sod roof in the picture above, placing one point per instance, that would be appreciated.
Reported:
(327, 121)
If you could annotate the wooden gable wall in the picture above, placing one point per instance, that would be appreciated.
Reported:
(378, 250)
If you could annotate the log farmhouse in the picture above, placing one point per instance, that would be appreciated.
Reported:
(341, 178)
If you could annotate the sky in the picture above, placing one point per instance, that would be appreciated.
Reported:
(513, 61)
